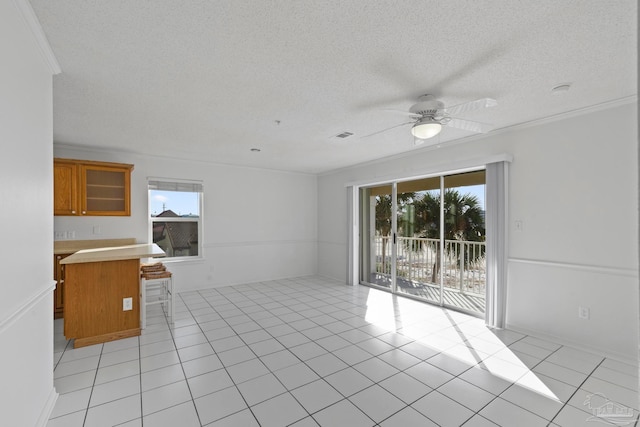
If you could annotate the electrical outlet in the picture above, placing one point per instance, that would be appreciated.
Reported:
(583, 313)
(59, 235)
(518, 225)
(127, 304)
(97, 229)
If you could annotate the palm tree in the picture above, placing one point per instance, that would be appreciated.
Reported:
(463, 219)
(383, 215)
(463, 216)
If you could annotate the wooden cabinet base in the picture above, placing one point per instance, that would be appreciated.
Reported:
(83, 342)
(93, 301)
(58, 292)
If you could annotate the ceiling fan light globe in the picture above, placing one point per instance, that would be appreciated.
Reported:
(426, 130)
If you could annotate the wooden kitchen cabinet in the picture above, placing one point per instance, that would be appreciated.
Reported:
(58, 293)
(65, 188)
(86, 188)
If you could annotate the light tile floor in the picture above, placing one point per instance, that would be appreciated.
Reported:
(311, 351)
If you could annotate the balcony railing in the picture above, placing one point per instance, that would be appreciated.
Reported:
(464, 267)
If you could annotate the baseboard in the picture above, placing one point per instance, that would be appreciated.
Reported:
(562, 341)
(111, 336)
(48, 408)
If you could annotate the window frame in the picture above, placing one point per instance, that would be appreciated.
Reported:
(177, 185)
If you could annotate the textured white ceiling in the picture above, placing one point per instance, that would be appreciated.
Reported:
(209, 80)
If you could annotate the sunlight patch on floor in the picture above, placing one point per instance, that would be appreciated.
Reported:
(453, 335)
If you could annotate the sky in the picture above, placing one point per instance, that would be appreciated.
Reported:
(180, 202)
(476, 190)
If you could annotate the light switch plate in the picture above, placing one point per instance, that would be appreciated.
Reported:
(127, 304)
(584, 312)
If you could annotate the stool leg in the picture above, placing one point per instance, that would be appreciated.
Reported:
(143, 303)
(170, 298)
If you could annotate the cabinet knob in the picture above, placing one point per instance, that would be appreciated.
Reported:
(84, 212)
(73, 212)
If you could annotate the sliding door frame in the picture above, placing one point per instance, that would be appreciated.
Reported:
(494, 297)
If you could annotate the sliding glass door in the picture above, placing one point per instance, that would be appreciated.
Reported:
(426, 238)
(464, 266)
(377, 226)
(418, 241)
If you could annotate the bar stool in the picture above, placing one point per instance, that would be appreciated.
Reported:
(156, 291)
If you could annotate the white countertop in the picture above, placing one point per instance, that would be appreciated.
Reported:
(72, 246)
(117, 253)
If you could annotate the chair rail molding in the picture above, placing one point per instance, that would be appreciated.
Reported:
(616, 271)
(24, 308)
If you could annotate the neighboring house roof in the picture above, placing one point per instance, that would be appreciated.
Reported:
(181, 234)
(168, 213)
(158, 231)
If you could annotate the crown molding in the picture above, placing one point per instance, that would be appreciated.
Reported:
(572, 113)
(537, 122)
(30, 18)
(111, 151)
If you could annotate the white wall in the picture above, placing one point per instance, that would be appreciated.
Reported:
(258, 224)
(26, 255)
(574, 186)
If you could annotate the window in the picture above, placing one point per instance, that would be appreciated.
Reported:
(175, 217)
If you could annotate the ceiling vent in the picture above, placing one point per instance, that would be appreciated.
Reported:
(344, 135)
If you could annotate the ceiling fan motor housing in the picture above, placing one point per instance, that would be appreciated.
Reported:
(427, 106)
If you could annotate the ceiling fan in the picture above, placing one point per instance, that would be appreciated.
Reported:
(430, 115)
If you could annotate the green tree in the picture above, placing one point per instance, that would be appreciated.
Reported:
(383, 215)
(463, 216)
(463, 220)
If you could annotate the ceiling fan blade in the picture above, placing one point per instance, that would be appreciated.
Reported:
(469, 125)
(470, 106)
(404, 113)
(384, 130)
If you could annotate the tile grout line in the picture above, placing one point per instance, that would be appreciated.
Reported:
(140, 379)
(514, 383)
(86, 414)
(373, 356)
(352, 343)
(289, 391)
(378, 382)
(173, 340)
(223, 366)
(304, 303)
(257, 357)
(577, 389)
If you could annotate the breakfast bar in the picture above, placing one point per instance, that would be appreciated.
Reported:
(102, 293)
